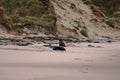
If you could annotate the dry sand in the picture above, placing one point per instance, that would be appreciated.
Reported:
(79, 62)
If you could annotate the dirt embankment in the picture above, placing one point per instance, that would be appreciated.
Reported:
(83, 19)
(60, 18)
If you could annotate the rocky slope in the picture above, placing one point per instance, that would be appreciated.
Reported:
(82, 18)
(111, 8)
(62, 18)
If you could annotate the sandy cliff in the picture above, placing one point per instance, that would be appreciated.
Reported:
(62, 18)
(77, 18)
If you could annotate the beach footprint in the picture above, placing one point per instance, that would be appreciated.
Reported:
(85, 70)
(77, 59)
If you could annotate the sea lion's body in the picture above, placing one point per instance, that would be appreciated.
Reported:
(59, 48)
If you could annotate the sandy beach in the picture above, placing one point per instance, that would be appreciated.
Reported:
(78, 62)
(59, 39)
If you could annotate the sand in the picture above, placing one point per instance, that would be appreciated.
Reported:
(79, 62)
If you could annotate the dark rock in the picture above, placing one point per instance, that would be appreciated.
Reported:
(46, 45)
(109, 41)
(90, 45)
(90, 41)
(23, 44)
(96, 41)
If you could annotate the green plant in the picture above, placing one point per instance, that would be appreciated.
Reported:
(77, 24)
(80, 11)
(108, 6)
(84, 31)
(72, 6)
(116, 14)
(111, 23)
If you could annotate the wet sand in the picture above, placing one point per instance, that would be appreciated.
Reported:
(78, 62)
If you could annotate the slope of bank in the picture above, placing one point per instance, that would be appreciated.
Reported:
(59, 18)
(83, 19)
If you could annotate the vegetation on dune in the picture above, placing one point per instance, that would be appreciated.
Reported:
(26, 7)
(7, 23)
(109, 7)
(84, 31)
(32, 12)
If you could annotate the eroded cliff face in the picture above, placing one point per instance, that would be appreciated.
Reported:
(27, 16)
(61, 18)
(81, 18)
(109, 7)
